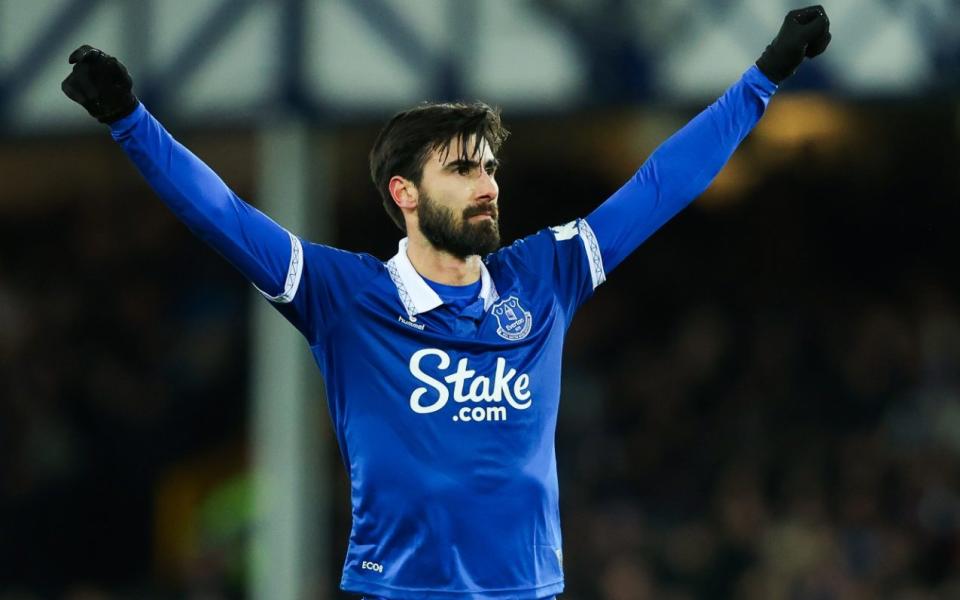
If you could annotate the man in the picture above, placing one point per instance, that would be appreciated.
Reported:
(442, 364)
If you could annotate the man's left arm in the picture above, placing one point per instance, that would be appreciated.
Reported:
(685, 164)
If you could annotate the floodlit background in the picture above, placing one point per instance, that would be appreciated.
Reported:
(762, 403)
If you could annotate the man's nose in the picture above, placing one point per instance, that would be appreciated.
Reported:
(487, 186)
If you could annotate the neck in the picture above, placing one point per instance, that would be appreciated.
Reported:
(438, 265)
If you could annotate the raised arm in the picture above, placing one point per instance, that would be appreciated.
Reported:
(684, 165)
(262, 250)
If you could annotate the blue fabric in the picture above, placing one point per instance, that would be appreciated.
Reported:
(680, 169)
(246, 237)
(462, 303)
(448, 437)
(455, 295)
(445, 420)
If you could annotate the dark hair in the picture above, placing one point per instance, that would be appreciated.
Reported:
(409, 137)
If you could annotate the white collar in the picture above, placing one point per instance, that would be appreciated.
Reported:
(416, 295)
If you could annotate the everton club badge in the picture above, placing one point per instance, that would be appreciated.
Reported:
(513, 321)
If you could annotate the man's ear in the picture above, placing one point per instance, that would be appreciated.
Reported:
(403, 192)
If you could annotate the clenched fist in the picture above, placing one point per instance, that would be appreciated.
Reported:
(805, 33)
(100, 83)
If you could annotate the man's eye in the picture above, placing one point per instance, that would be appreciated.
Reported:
(463, 170)
(491, 171)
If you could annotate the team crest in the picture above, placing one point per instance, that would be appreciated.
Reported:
(513, 321)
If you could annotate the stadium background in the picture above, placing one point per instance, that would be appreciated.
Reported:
(763, 402)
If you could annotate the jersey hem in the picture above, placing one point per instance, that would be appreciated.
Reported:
(385, 591)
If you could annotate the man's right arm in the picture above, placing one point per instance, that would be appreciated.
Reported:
(262, 250)
(307, 283)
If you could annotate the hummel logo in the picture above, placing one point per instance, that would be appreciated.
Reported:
(419, 326)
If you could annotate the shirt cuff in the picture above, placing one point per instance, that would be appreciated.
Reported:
(755, 77)
(121, 126)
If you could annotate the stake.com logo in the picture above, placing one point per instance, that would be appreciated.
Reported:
(466, 386)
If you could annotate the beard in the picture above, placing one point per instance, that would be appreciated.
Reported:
(461, 239)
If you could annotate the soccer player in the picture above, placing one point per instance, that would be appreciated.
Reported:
(442, 364)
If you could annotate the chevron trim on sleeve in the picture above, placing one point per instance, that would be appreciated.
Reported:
(592, 247)
(294, 271)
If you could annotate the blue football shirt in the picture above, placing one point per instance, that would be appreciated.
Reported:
(445, 405)
(448, 431)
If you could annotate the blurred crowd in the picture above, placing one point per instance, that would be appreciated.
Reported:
(746, 445)
(762, 403)
(122, 352)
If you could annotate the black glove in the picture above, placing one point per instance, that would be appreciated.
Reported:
(805, 32)
(101, 84)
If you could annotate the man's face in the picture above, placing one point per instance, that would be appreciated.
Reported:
(457, 207)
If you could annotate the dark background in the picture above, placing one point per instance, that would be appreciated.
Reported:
(762, 402)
